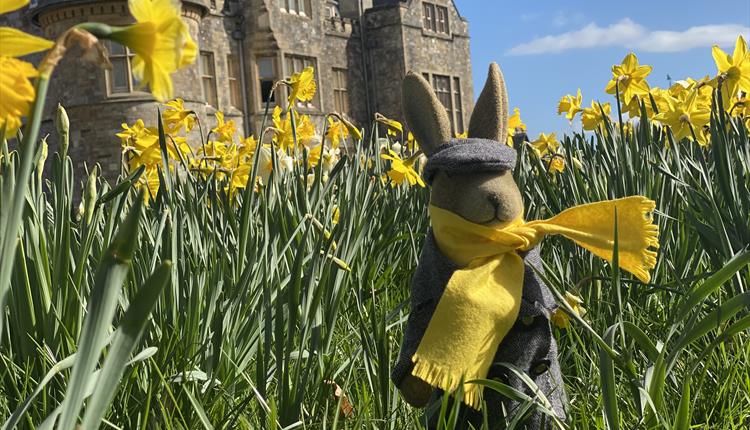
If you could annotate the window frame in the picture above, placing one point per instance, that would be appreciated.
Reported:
(132, 84)
(213, 78)
(435, 18)
(454, 93)
(292, 7)
(341, 90)
(273, 58)
(233, 80)
(458, 111)
(428, 16)
(442, 21)
(446, 93)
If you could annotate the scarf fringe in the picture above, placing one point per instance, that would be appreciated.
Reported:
(650, 234)
(447, 380)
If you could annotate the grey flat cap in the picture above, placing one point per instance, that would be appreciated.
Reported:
(470, 156)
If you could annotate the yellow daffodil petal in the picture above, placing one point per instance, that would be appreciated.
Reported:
(189, 50)
(642, 71)
(160, 41)
(153, 10)
(630, 62)
(303, 85)
(16, 43)
(17, 93)
(740, 50)
(11, 5)
(722, 59)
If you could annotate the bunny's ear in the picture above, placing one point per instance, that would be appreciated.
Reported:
(490, 117)
(424, 113)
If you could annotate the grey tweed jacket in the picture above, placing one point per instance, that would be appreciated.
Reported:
(529, 345)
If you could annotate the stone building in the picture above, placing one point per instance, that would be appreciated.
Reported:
(360, 50)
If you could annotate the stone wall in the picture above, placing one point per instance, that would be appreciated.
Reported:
(398, 43)
(385, 56)
(434, 53)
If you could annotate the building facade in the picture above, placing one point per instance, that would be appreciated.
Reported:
(360, 50)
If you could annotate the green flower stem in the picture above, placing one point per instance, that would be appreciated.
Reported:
(101, 31)
(27, 151)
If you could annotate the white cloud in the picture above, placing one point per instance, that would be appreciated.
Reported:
(629, 34)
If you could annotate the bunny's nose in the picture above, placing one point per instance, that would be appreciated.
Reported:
(494, 200)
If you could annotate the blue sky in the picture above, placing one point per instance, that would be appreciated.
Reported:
(538, 45)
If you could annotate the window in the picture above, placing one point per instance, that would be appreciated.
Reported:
(233, 76)
(448, 91)
(120, 79)
(442, 19)
(295, 64)
(299, 7)
(266, 76)
(442, 86)
(428, 11)
(340, 92)
(457, 111)
(435, 18)
(333, 10)
(208, 78)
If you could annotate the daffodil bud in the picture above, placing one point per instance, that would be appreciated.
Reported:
(62, 123)
(42, 159)
(89, 197)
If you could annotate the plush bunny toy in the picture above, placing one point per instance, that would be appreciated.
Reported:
(476, 300)
(472, 178)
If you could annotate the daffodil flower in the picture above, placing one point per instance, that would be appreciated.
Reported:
(176, 117)
(149, 180)
(302, 86)
(686, 118)
(329, 158)
(282, 128)
(592, 118)
(515, 126)
(544, 144)
(570, 105)
(160, 41)
(629, 78)
(560, 318)
(17, 93)
(224, 130)
(394, 127)
(402, 170)
(142, 143)
(556, 164)
(247, 148)
(413, 146)
(734, 70)
(313, 156)
(633, 107)
(337, 132)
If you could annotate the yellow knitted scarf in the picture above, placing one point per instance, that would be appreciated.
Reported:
(482, 299)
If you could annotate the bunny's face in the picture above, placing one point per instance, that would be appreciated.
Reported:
(488, 198)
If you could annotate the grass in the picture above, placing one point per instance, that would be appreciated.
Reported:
(248, 311)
